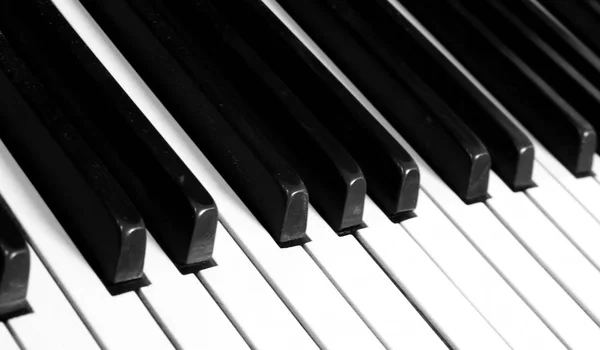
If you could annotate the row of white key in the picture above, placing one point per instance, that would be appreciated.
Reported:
(257, 312)
(372, 294)
(495, 299)
(182, 306)
(501, 317)
(570, 205)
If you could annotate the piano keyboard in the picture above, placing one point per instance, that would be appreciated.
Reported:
(317, 174)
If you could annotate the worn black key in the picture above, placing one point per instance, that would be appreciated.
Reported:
(80, 192)
(335, 182)
(392, 175)
(511, 150)
(178, 211)
(271, 190)
(555, 69)
(14, 265)
(540, 109)
(429, 125)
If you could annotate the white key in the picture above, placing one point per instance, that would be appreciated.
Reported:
(366, 287)
(116, 322)
(477, 280)
(257, 312)
(504, 252)
(567, 214)
(183, 307)
(298, 281)
(585, 190)
(596, 165)
(527, 277)
(425, 284)
(53, 323)
(7, 342)
(550, 247)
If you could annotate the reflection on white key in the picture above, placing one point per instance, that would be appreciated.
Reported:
(53, 323)
(477, 280)
(567, 214)
(182, 306)
(116, 322)
(7, 342)
(251, 304)
(550, 247)
(425, 284)
(372, 294)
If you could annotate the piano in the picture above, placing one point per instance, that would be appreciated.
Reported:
(316, 174)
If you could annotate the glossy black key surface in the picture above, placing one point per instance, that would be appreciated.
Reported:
(81, 193)
(275, 194)
(579, 18)
(512, 152)
(335, 182)
(594, 5)
(540, 109)
(556, 70)
(552, 32)
(392, 175)
(14, 265)
(419, 115)
(178, 211)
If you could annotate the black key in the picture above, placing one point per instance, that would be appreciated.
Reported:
(579, 18)
(511, 150)
(571, 84)
(569, 47)
(392, 175)
(429, 125)
(594, 5)
(335, 182)
(81, 193)
(178, 211)
(540, 109)
(272, 191)
(14, 265)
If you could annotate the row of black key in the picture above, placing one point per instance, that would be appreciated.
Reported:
(273, 120)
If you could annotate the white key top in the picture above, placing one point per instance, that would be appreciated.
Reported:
(425, 284)
(596, 165)
(477, 280)
(298, 281)
(116, 322)
(586, 189)
(53, 323)
(7, 342)
(527, 277)
(257, 312)
(372, 294)
(550, 247)
(183, 307)
(567, 214)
